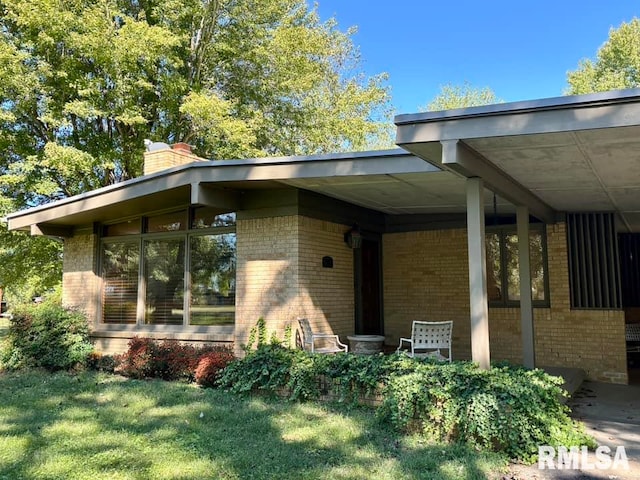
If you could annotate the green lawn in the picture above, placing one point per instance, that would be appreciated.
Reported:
(101, 426)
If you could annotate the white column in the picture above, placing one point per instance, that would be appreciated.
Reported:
(477, 273)
(526, 307)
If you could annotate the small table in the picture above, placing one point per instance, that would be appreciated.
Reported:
(366, 344)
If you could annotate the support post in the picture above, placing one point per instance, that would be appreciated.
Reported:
(526, 304)
(479, 309)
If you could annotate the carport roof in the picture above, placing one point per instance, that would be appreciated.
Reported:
(566, 154)
(574, 154)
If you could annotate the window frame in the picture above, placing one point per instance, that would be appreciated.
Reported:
(139, 239)
(511, 229)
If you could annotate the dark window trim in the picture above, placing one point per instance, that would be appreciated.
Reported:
(511, 229)
(140, 239)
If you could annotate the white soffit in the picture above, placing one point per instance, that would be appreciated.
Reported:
(425, 193)
(590, 170)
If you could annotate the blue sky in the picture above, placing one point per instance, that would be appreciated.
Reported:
(521, 50)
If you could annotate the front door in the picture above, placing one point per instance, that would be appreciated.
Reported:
(368, 288)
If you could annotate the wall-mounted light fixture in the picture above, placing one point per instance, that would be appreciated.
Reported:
(353, 237)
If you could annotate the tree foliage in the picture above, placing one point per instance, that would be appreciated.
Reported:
(29, 266)
(616, 66)
(84, 82)
(461, 96)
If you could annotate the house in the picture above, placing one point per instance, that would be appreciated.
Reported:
(519, 221)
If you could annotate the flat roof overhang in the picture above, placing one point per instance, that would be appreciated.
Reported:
(218, 183)
(566, 154)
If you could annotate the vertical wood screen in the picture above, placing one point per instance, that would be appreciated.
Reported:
(594, 273)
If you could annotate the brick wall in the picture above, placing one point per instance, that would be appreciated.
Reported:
(589, 339)
(326, 294)
(266, 274)
(280, 276)
(80, 283)
(426, 278)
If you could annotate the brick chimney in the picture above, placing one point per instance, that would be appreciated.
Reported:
(160, 156)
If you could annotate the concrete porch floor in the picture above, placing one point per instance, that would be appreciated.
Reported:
(611, 414)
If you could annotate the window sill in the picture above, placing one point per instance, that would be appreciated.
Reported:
(164, 332)
(517, 306)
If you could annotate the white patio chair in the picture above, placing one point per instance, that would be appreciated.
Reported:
(429, 339)
(632, 337)
(319, 342)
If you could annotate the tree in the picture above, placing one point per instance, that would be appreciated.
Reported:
(84, 82)
(617, 63)
(461, 96)
(28, 265)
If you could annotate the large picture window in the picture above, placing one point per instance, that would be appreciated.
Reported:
(503, 272)
(120, 266)
(168, 275)
(164, 281)
(213, 279)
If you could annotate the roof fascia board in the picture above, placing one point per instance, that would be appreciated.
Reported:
(82, 203)
(230, 171)
(555, 103)
(279, 169)
(120, 192)
(520, 122)
(461, 159)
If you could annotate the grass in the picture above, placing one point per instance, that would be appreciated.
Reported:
(91, 425)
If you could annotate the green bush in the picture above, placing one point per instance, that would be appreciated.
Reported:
(46, 335)
(507, 409)
(266, 368)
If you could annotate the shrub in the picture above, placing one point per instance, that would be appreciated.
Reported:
(136, 362)
(507, 409)
(167, 360)
(101, 362)
(260, 337)
(210, 365)
(46, 335)
(266, 368)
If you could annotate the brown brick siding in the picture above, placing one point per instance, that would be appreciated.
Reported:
(426, 278)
